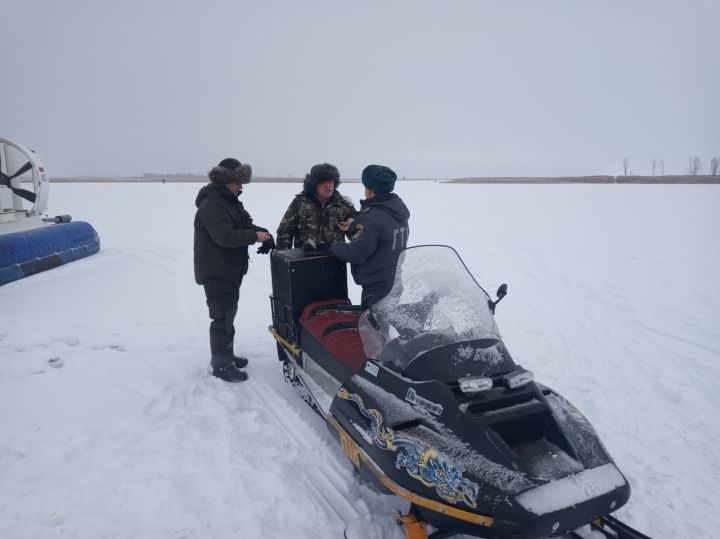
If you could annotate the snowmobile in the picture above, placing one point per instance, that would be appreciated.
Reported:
(30, 240)
(427, 402)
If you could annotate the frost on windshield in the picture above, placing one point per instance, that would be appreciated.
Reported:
(434, 301)
(488, 356)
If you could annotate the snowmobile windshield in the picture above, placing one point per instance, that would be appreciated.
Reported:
(434, 302)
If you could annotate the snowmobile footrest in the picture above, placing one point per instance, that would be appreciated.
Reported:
(619, 529)
(612, 528)
(414, 528)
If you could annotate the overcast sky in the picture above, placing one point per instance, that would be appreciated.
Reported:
(441, 88)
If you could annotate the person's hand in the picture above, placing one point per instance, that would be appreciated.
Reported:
(324, 246)
(345, 225)
(262, 236)
(267, 246)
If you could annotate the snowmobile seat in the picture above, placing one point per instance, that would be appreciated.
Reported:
(333, 323)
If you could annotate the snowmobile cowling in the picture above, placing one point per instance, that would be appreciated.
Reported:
(499, 457)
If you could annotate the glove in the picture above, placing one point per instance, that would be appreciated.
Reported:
(324, 246)
(266, 247)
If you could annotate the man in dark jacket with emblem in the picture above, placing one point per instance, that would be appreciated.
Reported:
(223, 232)
(316, 213)
(377, 235)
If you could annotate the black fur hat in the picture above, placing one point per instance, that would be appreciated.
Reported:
(318, 174)
(379, 179)
(230, 170)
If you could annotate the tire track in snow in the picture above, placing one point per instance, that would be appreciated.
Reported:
(319, 477)
(680, 339)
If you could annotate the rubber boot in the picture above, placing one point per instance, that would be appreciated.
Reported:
(240, 362)
(222, 358)
(230, 373)
(220, 348)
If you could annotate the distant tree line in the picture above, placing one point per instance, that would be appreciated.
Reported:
(694, 167)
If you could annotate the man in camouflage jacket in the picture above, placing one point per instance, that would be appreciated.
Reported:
(315, 213)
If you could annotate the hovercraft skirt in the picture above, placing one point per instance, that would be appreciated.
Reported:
(32, 251)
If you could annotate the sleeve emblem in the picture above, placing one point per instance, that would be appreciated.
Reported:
(359, 229)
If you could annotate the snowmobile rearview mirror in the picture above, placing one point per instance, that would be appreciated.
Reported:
(501, 293)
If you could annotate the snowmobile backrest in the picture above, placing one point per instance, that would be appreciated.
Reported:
(299, 280)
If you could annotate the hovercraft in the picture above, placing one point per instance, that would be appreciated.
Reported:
(30, 241)
(428, 404)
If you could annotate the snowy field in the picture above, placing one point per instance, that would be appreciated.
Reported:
(112, 427)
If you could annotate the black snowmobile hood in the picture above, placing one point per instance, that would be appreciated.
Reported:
(390, 203)
(212, 191)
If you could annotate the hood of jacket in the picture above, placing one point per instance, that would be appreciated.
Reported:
(390, 203)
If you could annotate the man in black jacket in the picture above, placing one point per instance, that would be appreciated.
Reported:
(377, 235)
(223, 232)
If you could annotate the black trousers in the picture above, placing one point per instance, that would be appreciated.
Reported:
(374, 292)
(222, 301)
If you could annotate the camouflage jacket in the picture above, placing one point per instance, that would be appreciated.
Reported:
(305, 219)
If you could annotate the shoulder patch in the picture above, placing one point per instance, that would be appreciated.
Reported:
(359, 229)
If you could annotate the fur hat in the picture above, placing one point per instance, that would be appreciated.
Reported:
(379, 179)
(319, 174)
(230, 170)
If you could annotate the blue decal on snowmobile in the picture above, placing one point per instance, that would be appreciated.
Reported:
(425, 404)
(421, 461)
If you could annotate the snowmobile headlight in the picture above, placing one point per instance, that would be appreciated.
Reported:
(518, 378)
(475, 384)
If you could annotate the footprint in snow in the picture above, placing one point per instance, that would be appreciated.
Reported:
(56, 362)
(116, 347)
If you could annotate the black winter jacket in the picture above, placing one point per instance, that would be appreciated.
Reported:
(377, 235)
(223, 232)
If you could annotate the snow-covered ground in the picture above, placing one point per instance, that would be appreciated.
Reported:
(112, 427)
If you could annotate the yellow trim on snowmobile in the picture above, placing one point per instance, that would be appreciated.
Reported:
(355, 453)
(295, 350)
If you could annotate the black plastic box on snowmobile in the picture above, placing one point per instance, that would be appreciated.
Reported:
(298, 280)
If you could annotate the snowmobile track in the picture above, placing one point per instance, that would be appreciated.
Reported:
(320, 476)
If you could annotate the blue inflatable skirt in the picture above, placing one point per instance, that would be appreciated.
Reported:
(32, 251)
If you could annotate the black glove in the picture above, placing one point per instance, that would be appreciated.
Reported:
(324, 246)
(267, 246)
